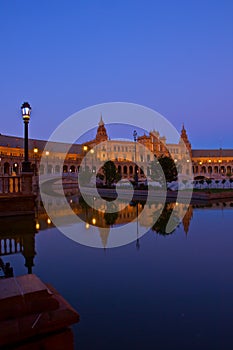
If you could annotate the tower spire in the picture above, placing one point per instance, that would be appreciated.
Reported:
(101, 122)
(184, 137)
(101, 134)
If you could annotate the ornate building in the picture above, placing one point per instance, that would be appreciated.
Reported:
(125, 154)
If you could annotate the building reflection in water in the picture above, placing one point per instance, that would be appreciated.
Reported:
(140, 212)
(17, 236)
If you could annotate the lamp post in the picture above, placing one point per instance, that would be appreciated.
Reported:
(135, 134)
(92, 155)
(35, 150)
(47, 157)
(26, 112)
(85, 148)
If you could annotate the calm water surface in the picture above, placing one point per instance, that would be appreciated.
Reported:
(174, 292)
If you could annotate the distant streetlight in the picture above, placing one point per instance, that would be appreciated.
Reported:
(49, 221)
(47, 158)
(85, 148)
(92, 155)
(35, 150)
(135, 134)
(26, 113)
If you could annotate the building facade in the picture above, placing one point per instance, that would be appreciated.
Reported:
(129, 156)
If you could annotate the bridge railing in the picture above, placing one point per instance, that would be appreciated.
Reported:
(10, 184)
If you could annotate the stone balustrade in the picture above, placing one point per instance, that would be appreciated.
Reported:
(10, 184)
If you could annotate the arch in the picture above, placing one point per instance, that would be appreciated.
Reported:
(119, 169)
(125, 170)
(131, 170)
(49, 169)
(203, 169)
(65, 169)
(57, 169)
(210, 169)
(228, 169)
(216, 169)
(222, 169)
(15, 168)
(72, 169)
(141, 170)
(6, 168)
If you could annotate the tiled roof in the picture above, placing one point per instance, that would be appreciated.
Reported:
(199, 153)
(18, 142)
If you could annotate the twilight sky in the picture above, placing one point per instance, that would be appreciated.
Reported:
(173, 56)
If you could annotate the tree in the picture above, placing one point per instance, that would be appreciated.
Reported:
(168, 167)
(110, 173)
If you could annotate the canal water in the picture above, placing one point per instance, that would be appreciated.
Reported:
(164, 291)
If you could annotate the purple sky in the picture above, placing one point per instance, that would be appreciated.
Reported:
(173, 56)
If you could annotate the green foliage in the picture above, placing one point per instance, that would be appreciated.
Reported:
(100, 176)
(110, 173)
(168, 167)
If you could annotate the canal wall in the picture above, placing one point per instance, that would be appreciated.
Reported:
(16, 195)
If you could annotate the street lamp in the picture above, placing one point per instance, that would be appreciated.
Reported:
(92, 155)
(135, 134)
(47, 157)
(35, 150)
(85, 148)
(26, 112)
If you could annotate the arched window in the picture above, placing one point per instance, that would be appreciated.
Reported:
(57, 169)
(50, 169)
(203, 169)
(65, 169)
(7, 168)
(210, 169)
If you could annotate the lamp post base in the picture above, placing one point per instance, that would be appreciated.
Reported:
(26, 167)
